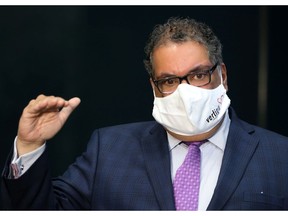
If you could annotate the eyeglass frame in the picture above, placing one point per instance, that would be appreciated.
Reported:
(209, 71)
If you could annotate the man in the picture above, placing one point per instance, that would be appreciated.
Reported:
(140, 166)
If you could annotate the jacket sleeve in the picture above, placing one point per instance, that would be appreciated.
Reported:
(33, 190)
(37, 190)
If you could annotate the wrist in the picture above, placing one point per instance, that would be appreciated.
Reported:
(24, 147)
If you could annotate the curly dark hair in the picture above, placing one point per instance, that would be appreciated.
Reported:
(179, 30)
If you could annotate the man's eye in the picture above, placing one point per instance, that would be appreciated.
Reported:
(170, 82)
(200, 76)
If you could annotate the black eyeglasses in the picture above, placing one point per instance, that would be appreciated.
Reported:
(196, 78)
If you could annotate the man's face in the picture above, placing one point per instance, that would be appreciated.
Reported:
(179, 59)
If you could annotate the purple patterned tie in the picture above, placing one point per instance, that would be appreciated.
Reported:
(187, 179)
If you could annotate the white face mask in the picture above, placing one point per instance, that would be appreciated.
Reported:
(191, 110)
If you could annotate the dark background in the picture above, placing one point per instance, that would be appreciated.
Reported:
(96, 53)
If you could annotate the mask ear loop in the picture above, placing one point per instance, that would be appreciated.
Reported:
(220, 73)
(154, 91)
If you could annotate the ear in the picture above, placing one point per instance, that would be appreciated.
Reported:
(224, 75)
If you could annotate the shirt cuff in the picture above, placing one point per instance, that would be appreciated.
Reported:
(20, 165)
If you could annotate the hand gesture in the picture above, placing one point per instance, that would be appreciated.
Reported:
(41, 120)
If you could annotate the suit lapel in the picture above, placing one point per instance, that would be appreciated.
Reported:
(239, 149)
(157, 160)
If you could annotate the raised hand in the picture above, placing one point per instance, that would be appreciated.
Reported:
(41, 120)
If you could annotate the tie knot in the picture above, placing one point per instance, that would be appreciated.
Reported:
(196, 143)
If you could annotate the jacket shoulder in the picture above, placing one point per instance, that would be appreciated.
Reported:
(261, 133)
(136, 129)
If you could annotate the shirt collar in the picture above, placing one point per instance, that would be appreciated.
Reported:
(220, 137)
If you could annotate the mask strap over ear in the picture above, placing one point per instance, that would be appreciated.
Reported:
(153, 88)
(220, 73)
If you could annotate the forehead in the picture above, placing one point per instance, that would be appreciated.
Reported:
(179, 58)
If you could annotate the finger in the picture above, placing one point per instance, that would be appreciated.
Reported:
(50, 103)
(45, 104)
(41, 96)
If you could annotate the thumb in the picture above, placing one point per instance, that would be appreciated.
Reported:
(68, 109)
(74, 102)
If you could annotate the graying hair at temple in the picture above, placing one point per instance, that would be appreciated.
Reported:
(179, 30)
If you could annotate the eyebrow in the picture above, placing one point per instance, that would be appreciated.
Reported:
(170, 74)
(200, 67)
(165, 75)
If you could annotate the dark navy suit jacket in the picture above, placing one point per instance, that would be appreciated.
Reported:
(127, 167)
